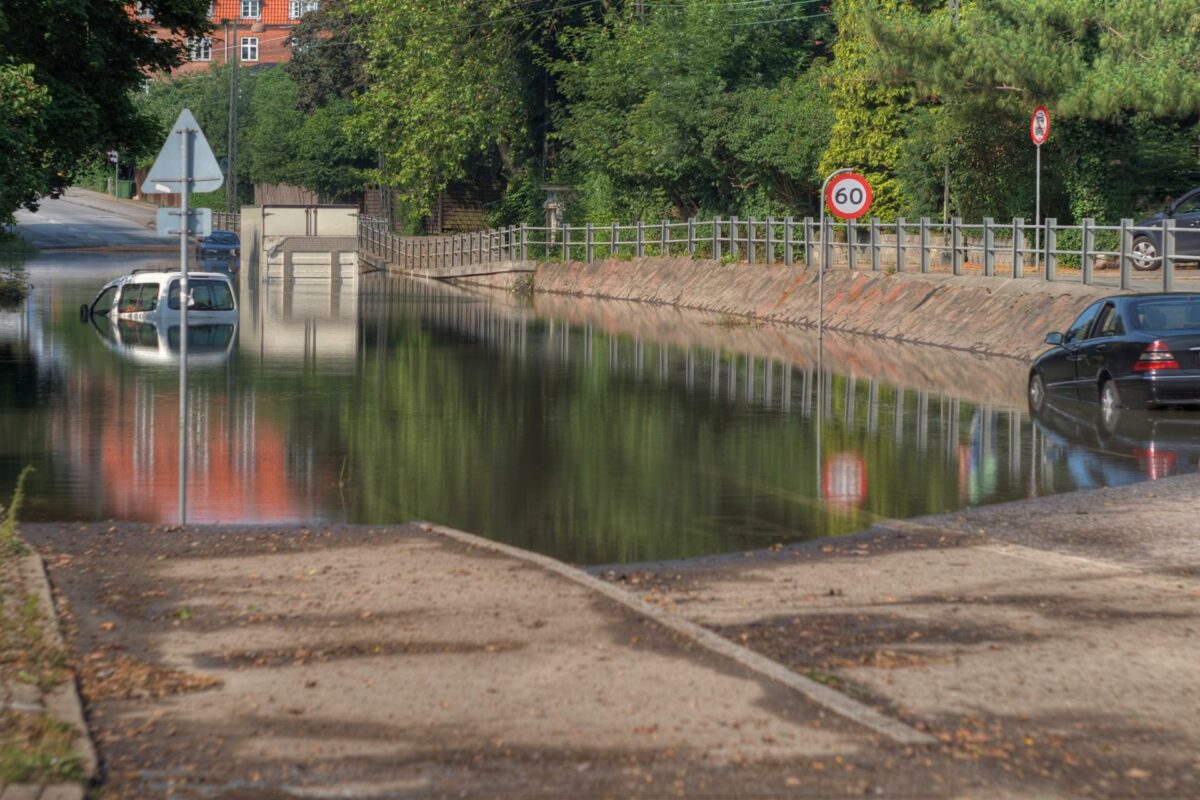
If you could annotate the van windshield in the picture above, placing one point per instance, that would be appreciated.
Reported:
(209, 295)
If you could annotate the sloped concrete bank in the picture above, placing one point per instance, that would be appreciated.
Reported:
(996, 316)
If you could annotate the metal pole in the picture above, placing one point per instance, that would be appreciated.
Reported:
(1037, 210)
(234, 49)
(821, 268)
(185, 186)
(116, 173)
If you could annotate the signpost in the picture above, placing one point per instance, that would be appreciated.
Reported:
(185, 164)
(1039, 132)
(848, 196)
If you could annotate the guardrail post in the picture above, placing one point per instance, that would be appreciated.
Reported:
(1087, 253)
(989, 247)
(851, 241)
(566, 247)
(789, 252)
(826, 243)
(512, 242)
(925, 244)
(1168, 255)
(875, 244)
(641, 239)
(733, 237)
(591, 241)
(1018, 245)
(1051, 248)
(614, 241)
(691, 236)
(524, 242)
(1123, 260)
(900, 244)
(664, 239)
(770, 233)
(716, 249)
(751, 249)
(956, 245)
(808, 238)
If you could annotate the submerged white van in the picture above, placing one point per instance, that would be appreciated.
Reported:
(153, 296)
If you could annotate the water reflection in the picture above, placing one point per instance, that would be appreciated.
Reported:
(591, 431)
(158, 342)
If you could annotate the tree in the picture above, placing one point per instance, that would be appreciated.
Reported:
(686, 108)
(22, 105)
(328, 62)
(88, 55)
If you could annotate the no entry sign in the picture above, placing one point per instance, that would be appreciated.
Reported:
(848, 196)
(1039, 125)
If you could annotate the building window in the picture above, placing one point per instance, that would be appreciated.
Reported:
(199, 49)
(249, 48)
(251, 9)
(298, 8)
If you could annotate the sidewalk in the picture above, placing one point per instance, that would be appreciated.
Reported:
(1053, 644)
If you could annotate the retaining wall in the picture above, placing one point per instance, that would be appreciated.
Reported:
(997, 316)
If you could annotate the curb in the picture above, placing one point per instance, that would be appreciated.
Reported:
(818, 693)
(63, 703)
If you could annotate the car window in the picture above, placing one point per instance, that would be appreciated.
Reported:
(130, 296)
(1166, 314)
(223, 236)
(1079, 327)
(1109, 323)
(148, 297)
(104, 301)
(1189, 206)
(209, 295)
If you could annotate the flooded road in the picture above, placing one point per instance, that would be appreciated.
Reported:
(594, 432)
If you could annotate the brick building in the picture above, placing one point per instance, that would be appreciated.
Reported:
(263, 30)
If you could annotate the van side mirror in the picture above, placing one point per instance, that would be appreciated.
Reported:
(1055, 338)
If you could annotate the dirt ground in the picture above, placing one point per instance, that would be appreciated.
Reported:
(1046, 656)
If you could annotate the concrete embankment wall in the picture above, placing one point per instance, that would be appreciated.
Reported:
(997, 316)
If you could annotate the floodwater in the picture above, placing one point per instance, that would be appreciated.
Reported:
(595, 432)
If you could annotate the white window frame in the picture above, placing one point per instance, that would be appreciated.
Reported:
(298, 8)
(199, 48)
(251, 9)
(249, 48)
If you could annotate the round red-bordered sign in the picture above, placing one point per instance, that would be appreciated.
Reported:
(849, 196)
(1039, 125)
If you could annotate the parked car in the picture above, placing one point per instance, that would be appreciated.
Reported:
(218, 244)
(1148, 244)
(153, 295)
(1140, 350)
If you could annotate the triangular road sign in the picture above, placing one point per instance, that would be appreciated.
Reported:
(166, 175)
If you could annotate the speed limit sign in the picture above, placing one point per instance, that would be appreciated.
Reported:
(1039, 126)
(848, 196)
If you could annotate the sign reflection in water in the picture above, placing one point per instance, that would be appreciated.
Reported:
(594, 432)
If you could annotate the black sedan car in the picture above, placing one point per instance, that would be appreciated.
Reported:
(1148, 244)
(1140, 350)
(218, 244)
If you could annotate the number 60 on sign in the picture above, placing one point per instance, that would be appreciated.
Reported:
(848, 196)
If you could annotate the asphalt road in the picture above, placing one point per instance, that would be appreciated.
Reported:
(82, 219)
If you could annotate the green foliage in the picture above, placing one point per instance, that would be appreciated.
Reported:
(328, 62)
(277, 142)
(67, 68)
(10, 543)
(691, 108)
(869, 115)
(23, 103)
(14, 284)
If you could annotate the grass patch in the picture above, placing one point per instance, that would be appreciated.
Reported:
(34, 748)
(10, 543)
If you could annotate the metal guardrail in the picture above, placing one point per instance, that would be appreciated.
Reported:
(227, 221)
(1066, 253)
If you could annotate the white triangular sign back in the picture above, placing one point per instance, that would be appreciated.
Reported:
(166, 176)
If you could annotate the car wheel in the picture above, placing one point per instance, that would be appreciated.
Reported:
(1145, 255)
(1110, 405)
(1037, 392)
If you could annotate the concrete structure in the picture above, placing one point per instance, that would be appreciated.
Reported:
(298, 242)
